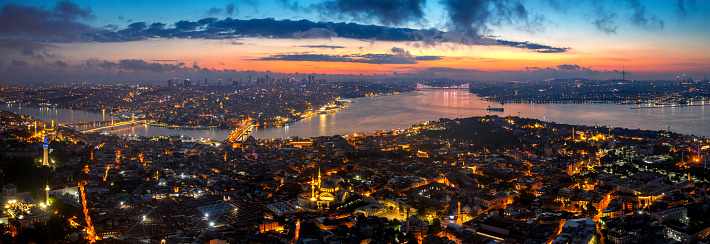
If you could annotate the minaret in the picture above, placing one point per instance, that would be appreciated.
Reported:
(407, 221)
(50, 132)
(46, 190)
(298, 230)
(319, 179)
(313, 190)
(45, 145)
(459, 219)
(572, 133)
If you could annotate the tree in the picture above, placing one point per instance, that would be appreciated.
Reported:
(525, 198)
(590, 210)
(421, 211)
(435, 227)
(395, 224)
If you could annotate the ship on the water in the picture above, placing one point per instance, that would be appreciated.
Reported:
(494, 109)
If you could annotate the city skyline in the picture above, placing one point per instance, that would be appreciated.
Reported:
(85, 41)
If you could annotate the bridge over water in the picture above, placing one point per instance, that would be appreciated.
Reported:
(421, 86)
(115, 124)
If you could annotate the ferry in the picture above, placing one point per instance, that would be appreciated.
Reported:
(494, 109)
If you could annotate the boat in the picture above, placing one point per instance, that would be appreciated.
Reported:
(494, 109)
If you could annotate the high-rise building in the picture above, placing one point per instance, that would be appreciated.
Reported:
(187, 83)
(170, 83)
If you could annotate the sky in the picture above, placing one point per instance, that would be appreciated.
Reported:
(153, 41)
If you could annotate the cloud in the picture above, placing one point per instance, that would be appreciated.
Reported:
(643, 19)
(472, 19)
(228, 28)
(187, 25)
(606, 22)
(448, 70)
(315, 33)
(137, 65)
(396, 56)
(61, 63)
(229, 10)
(18, 63)
(390, 13)
(568, 67)
(533, 46)
(571, 69)
(427, 58)
(399, 51)
(321, 46)
(39, 24)
(214, 11)
(355, 58)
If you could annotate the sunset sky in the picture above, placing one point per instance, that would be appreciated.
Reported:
(153, 41)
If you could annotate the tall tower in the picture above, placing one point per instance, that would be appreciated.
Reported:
(623, 73)
(46, 191)
(459, 218)
(45, 145)
(313, 190)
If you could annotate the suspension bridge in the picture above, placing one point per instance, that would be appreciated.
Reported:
(421, 86)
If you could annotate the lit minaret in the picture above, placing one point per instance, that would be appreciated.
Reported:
(46, 191)
(45, 145)
(313, 190)
(50, 131)
(459, 219)
(298, 230)
(319, 182)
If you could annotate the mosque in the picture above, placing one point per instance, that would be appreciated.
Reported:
(324, 195)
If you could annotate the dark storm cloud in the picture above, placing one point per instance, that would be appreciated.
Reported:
(321, 46)
(211, 28)
(59, 23)
(391, 13)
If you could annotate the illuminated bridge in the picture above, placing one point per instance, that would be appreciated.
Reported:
(240, 133)
(117, 124)
(421, 86)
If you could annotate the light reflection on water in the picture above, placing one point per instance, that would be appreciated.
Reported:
(370, 114)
